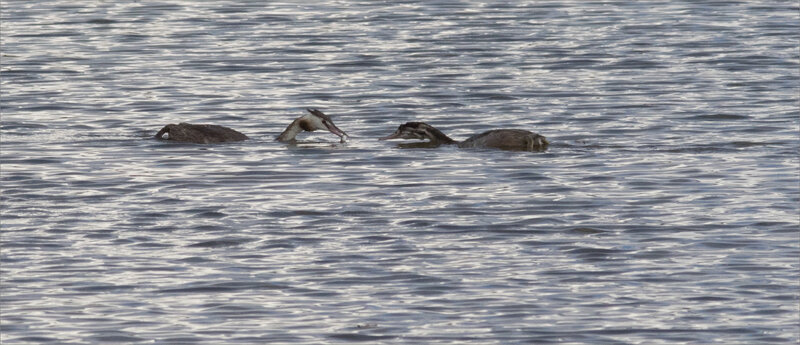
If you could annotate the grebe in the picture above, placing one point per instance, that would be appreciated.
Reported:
(199, 134)
(310, 122)
(504, 139)
(210, 134)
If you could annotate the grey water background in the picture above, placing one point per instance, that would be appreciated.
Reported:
(665, 211)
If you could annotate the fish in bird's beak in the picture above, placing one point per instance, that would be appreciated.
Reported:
(335, 130)
(328, 122)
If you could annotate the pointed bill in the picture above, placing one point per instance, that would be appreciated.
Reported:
(394, 135)
(328, 122)
(335, 130)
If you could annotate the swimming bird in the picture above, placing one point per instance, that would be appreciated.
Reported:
(310, 122)
(210, 134)
(504, 139)
(199, 134)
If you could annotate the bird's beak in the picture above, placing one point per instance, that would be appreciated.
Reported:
(394, 135)
(335, 130)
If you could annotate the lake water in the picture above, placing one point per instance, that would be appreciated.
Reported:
(665, 210)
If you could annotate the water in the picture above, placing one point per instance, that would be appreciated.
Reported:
(665, 211)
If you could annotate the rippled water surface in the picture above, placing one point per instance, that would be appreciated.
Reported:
(665, 210)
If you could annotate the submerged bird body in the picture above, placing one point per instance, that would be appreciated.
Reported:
(503, 139)
(199, 134)
(507, 139)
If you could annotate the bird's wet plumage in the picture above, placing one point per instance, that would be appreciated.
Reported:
(503, 139)
(199, 134)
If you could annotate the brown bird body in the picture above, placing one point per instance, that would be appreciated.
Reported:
(503, 139)
(199, 134)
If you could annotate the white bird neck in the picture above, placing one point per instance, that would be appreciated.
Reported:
(291, 132)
